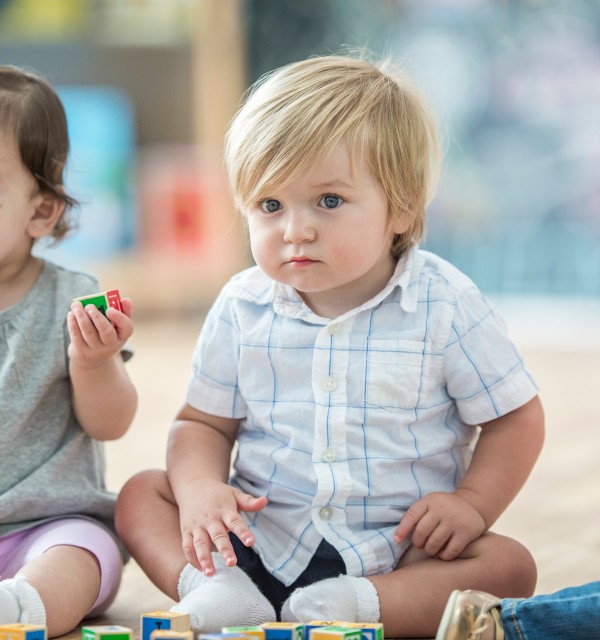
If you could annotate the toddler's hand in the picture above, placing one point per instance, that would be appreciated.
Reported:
(94, 337)
(442, 524)
(207, 521)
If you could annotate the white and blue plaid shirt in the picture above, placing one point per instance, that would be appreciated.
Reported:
(345, 423)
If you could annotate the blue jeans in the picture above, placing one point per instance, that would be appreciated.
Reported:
(571, 613)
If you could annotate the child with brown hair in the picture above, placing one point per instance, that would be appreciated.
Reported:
(63, 384)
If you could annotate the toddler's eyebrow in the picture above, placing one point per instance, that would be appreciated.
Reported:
(331, 184)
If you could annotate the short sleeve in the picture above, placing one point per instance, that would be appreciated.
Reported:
(484, 372)
(213, 385)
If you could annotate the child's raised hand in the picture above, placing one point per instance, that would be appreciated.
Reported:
(94, 337)
(442, 524)
(209, 521)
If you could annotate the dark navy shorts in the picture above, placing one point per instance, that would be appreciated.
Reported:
(326, 563)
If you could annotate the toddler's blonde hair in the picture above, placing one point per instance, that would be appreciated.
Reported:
(295, 115)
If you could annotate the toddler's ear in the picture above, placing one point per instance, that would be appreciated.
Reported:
(47, 213)
(400, 224)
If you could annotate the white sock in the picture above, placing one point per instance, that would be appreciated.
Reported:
(20, 602)
(228, 598)
(10, 609)
(189, 579)
(286, 612)
(344, 598)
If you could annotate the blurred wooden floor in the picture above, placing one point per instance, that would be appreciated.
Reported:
(557, 515)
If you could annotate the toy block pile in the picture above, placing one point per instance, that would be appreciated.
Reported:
(169, 625)
(155, 625)
(315, 630)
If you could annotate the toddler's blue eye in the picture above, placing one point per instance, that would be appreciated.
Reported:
(331, 202)
(271, 205)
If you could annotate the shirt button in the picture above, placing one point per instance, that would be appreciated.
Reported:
(328, 455)
(334, 329)
(325, 513)
(329, 385)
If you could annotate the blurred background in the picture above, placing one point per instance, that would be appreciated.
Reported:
(149, 87)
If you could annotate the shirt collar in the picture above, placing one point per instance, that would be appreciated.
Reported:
(287, 302)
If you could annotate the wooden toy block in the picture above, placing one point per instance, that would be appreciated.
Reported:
(106, 632)
(258, 633)
(170, 634)
(21, 631)
(102, 301)
(370, 630)
(283, 630)
(163, 620)
(313, 624)
(223, 636)
(335, 633)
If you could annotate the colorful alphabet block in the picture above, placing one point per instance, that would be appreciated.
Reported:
(102, 301)
(370, 630)
(106, 632)
(22, 631)
(223, 636)
(163, 620)
(171, 634)
(283, 630)
(258, 633)
(335, 633)
(313, 624)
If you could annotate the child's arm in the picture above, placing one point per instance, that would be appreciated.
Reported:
(443, 524)
(103, 396)
(198, 464)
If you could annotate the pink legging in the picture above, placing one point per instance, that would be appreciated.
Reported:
(17, 549)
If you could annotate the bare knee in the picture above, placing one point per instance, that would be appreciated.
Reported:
(137, 496)
(525, 570)
(514, 566)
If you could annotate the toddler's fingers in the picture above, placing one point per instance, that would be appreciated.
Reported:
(189, 550)
(246, 502)
(107, 334)
(74, 331)
(198, 552)
(127, 306)
(238, 526)
(435, 541)
(409, 521)
(220, 538)
(427, 534)
(454, 547)
(121, 323)
(84, 318)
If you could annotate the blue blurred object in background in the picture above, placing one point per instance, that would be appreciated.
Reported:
(100, 174)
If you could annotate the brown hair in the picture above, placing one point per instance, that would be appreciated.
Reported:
(32, 114)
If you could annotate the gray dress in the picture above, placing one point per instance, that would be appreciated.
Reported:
(49, 468)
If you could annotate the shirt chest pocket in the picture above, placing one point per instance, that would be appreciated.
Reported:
(396, 371)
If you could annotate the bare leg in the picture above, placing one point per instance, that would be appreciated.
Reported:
(412, 598)
(68, 581)
(147, 520)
